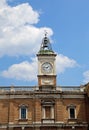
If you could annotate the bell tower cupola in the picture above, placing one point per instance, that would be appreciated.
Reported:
(46, 65)
(45, 44)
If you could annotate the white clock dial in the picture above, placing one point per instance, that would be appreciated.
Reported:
(46, 67)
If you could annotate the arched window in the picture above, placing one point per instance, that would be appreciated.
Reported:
(23, 112)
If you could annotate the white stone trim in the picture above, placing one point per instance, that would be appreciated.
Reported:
(43, 112)
(3, 126)
(69, 112)
(11, 123)
(73, 96)
(59, 122)
(20, 112)
(52, 112)
(37, 122)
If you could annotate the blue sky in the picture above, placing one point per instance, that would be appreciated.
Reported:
(22, 25)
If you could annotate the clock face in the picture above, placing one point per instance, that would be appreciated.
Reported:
(46, 67)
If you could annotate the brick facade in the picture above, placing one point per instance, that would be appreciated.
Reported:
(56, 102)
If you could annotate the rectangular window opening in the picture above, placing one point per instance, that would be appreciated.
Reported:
(72, 113)
(23, 113)
(48, 112)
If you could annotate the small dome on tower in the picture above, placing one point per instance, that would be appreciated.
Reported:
(46, 45)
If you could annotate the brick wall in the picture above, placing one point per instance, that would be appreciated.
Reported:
(11, 107)
(34, 109)
(62, 111)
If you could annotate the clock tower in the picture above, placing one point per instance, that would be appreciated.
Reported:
(46, 66)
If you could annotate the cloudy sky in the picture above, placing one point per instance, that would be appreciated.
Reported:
(22, 26)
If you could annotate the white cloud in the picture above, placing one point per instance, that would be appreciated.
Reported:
(27, 71)
(2, 3)
(18, 34)
(23, 71)
(86, 76)
(18, 16)
(63, 62)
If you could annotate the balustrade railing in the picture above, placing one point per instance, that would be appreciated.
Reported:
(36, 88)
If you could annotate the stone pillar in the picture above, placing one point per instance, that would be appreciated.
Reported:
(23, 127)
(43, 112)
(52, 112)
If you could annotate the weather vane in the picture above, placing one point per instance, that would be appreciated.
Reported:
(45, 31)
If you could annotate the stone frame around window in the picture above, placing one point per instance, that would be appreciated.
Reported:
(50, 104)
(23, 108)
(71, 108)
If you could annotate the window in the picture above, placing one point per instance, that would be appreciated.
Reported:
(48, 112)
(47, 109)
(72, 112)
(23, 112)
